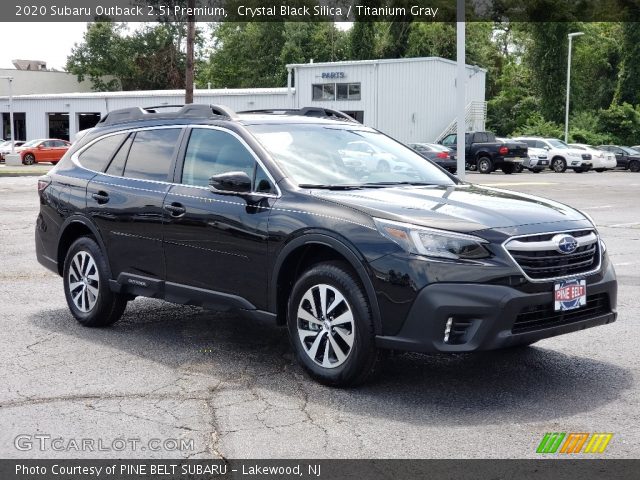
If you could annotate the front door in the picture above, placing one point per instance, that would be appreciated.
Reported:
(218, 241)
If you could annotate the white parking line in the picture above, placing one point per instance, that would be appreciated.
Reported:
(517, 183)
(615, 225)
(598, 207)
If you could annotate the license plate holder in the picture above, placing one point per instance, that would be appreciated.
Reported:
(570, 294)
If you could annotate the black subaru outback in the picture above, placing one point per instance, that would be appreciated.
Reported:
(272, 214)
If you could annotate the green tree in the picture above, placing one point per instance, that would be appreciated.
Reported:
(99, 57)
(320, 41)
(628, 88)
(547, 59)
(362, 40)
(148, 59)
(245, 55)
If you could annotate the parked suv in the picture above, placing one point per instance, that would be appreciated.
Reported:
(257, 212)
(561, 155)
(538, 156)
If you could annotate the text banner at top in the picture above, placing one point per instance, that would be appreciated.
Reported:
(319, 10)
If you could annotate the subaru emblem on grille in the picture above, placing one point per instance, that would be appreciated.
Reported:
(566, 243)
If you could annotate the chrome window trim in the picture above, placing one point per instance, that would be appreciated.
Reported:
(76, 160)
(564, 277)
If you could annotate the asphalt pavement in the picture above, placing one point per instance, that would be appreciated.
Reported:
(171, 381)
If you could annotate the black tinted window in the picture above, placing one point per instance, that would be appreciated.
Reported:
(151, 153)
(117, 164)
(97, 156)
(211, 152)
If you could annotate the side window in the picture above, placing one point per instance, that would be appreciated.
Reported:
(449, 140)
(151, 153)
(97, 156)
(116, 167)
(211, 152)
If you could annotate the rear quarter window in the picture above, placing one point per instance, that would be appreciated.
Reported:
(97, 156)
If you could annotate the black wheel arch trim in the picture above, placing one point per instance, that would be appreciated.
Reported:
(341, 246)
(75, 219)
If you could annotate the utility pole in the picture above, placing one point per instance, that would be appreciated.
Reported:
(461, 79)
(566, 108)
(191, 34)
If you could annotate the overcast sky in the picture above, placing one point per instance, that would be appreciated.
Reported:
(47, 41)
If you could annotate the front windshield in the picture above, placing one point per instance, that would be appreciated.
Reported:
(32, 143)
(630, 151)
(326, 155)
(557, 144)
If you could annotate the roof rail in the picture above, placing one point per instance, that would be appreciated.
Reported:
(319, 112)
(132, 114)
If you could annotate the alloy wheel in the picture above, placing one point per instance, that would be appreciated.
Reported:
(83, 281)
(326, 326)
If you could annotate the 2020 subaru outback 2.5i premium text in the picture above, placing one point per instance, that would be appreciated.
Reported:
(258, 211)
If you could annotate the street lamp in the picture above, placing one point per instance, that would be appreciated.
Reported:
(566, 109)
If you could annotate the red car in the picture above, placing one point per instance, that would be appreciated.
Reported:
(43, 150)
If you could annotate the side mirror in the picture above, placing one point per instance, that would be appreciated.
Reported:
(230, 182)
(547, 148)
(40, 147)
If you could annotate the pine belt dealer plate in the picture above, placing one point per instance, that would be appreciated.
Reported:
(570, 294)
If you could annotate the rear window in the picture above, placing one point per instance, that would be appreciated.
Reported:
(151, 153)
(97, 156)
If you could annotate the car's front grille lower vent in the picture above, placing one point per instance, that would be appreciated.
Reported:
(556, 255)
(542, 316)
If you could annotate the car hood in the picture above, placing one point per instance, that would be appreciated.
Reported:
(462, 208)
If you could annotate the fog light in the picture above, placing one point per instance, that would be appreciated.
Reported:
(447, 329)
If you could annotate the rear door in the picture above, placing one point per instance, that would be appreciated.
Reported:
(125, 201)
(217, 241)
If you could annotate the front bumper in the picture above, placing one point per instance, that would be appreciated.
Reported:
(487, 317)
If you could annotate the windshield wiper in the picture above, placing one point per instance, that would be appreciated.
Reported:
(391, 184)
(331, 187)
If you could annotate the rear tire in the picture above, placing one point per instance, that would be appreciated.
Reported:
(86, 285)
(599, 170)
(485, 165)
(333, 340)
(519, 168)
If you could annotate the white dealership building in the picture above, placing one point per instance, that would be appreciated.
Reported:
(411, 99)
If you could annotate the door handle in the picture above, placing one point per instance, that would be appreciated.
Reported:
(176, 209)
(100, 197)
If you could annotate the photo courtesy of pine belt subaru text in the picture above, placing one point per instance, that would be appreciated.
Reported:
(271, 214)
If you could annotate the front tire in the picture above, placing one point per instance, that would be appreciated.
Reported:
(86, 286)
(634, 166)
(558, 165)
(331, 326)
(485, 165)
(509, 168)
(29, 159)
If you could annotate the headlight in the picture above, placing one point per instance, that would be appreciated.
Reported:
(433, 243)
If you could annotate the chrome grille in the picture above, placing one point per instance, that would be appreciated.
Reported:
(539, 259)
